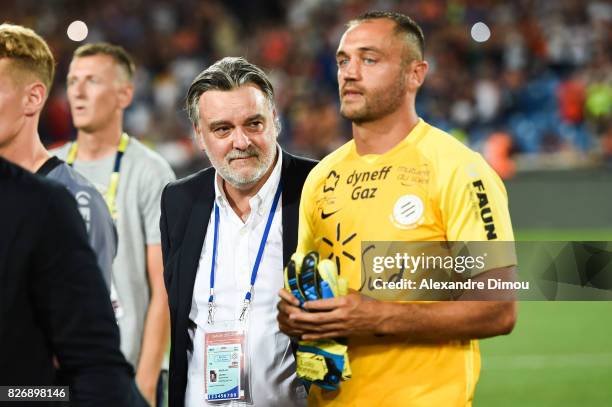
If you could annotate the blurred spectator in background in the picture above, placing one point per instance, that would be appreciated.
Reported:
(131, 178)
(514, 82)
(27, 69)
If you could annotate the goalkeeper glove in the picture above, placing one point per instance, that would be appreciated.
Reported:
(323, 362)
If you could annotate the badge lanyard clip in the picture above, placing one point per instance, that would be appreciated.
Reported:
(245, 305)
(211, 308)
(247, 298)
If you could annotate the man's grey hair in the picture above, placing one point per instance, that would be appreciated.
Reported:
(227, 74)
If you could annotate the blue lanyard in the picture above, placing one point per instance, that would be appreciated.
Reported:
(262, 245)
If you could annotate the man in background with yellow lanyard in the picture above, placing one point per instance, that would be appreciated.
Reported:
(131, 178)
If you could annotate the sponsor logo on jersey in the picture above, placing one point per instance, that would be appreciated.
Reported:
(325, 215)
(363, 193)
(331, 182)
(408, 212)
(337, 245)
(410, 176)
(484, 209)
(357, 179)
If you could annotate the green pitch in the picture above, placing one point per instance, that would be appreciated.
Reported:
(559, 354)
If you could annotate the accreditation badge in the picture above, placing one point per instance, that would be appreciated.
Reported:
(226, 373)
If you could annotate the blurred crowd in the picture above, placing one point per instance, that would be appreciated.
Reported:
(541, 84)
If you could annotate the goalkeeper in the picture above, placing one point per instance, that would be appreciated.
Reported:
(399, 179)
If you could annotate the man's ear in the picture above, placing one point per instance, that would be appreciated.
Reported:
(34, 98)
(199, 137)
(277, 122)
(126, 94)
(416, 72)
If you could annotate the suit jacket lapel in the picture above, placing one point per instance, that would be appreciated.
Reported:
(291, 204)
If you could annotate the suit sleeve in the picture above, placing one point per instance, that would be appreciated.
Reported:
(73, 307)
(165, 238)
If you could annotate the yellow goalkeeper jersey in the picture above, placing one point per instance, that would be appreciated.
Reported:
(429, 187)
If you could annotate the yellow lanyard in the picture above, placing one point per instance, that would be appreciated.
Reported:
(111, 192)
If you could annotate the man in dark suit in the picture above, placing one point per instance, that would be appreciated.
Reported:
(227, 231)
(53, 300)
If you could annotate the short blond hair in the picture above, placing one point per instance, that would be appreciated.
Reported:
(28, 51)
(121, 57)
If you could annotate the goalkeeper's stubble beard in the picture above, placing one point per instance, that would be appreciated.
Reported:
(377, 102)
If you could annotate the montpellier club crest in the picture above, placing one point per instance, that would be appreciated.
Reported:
(408, 212)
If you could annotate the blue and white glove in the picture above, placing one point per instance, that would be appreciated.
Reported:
(323, 362)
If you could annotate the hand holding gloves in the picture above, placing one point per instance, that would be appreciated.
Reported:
(323, 362)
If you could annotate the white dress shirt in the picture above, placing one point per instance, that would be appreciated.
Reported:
(272, 365)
